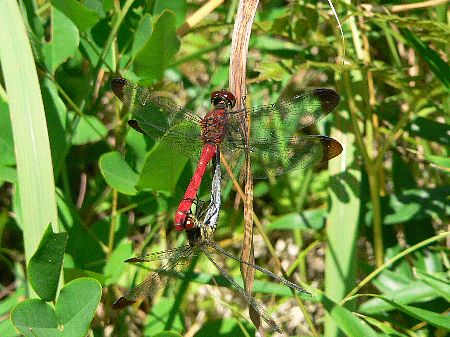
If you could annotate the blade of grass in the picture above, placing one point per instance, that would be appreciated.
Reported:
(34, 165)
(342, 223)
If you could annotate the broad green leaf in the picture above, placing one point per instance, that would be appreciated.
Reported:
(7, 156)
(73, 312)
(82, 16)
(31, 143)
(309, 219)
(137, 148)
(440, 284)
(160, 49)
(345, 320)
(64, 41)
(35, 318)
(176, 6)
(342, 226)
(439, 320)
(76, 305)
(115, 265)
(413, 205)
(414, 292)
(161, 171)
(89, 130)
(384, 327)
(45, 265)
(143, 33)
(437, 65)
(117, 173)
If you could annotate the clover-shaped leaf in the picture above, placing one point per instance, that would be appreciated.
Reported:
(73, 311)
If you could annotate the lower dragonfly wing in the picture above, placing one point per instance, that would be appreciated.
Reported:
(161, 255)
(270, 157)
(158, 279)
(290, 284)
(254, 303)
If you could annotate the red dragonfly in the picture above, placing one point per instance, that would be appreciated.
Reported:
(200, 229)
(274, 146)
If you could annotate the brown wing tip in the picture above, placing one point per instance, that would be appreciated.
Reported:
(334, 149)
(117, 85)
(135, 259)
(135, 125)
(328, 98)
(122, 303)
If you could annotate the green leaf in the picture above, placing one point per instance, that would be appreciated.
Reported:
(440, 285)
(437, 319)
(176, 6)
(31, 143)
(438, 66)
(343, 222)
(161, 172)
(117, 173)
(56, 114)
(346, 320)
(35, 318)
(82, 16)
(115, 265)
(8, 173)
(45, 265)
(143, 33)
(89, 130)
(64, 41)
(6, 136)
(310, 219)
(160, 49)
(73, 312)
(76, 305)
(414, 292)
(429, 129)
(439, 160)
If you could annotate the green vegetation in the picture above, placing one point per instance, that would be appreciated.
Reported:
(365, 233)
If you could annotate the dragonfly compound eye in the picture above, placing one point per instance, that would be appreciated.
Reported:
(223, 97)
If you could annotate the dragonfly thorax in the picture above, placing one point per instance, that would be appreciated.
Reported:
(214, 126)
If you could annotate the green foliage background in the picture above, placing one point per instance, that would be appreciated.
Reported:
(366, 231)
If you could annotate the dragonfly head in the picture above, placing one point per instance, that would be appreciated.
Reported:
(223, 98)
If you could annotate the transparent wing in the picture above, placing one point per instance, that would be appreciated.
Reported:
(274, 147)
(176, 263)
(159, 118)
(272, 158)
(291, 285)
(254, 303)
(293, 114)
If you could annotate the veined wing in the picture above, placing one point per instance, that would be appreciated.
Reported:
(273, 156)
(288, 116)
(217, 247)
(159, 118)
(161, 255)
(158, 279)
(254, 303)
